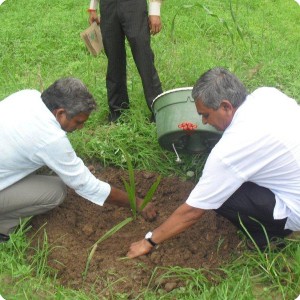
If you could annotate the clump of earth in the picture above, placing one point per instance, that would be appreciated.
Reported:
(73, 227)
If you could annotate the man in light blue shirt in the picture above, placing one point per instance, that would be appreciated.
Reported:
(33, 134)
(252, 175)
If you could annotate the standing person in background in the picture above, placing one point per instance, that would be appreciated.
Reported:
(252, 175)
(128, 18)
(33, 135)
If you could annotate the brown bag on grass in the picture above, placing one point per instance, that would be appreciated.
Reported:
(93, 39)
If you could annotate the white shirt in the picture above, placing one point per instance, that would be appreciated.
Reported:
(154, 6)
(31, 137)
(261, 145)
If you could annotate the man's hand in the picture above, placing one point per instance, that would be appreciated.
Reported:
(181, 219)
(139, 248)
(149, 213)
(120, 198)
(154, 24)
(94, 17)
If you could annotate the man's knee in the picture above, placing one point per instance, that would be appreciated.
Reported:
(63, 193)
(52, 192)
(60, 192)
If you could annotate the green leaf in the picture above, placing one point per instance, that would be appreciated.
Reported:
(150, 193)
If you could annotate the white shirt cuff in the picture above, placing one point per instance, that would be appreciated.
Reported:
(93, 4)
(104, 193)
(154, 8)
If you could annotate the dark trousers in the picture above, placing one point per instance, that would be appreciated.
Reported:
(120, 19)
(253, 201)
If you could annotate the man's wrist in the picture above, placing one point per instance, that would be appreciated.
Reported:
(148, 238)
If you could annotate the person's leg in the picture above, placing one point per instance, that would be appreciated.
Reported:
(33, 195)
(250, 202)
(136, 28)
(114, 47)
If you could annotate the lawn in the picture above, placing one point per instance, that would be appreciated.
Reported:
(258, 40)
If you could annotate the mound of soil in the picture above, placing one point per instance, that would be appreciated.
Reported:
(77, 224)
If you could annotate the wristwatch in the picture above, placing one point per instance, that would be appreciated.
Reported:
(148, 237)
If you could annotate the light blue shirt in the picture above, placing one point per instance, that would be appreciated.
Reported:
(31, 137)
(261, 145)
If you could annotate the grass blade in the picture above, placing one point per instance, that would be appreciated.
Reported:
(108, 234)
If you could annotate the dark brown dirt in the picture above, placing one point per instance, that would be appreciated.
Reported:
(77, 224)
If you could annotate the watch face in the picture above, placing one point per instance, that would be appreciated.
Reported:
(148, 235)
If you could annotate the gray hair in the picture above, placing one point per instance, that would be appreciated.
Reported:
(216, 85)
(70, 94)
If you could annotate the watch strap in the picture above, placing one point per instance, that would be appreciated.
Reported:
(151, 242)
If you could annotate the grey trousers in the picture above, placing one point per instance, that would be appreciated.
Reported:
(32, 195)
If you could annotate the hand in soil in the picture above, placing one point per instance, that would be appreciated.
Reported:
(149, 213)
(139, 248)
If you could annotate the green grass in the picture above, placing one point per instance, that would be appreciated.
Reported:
(258, 40)
(259, 43)
(24, 273)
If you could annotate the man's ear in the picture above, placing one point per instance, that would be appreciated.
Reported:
(59, 111)
(59, 114)
(226, 105)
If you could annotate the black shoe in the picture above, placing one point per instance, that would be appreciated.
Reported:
(3, 238)
(114, 116)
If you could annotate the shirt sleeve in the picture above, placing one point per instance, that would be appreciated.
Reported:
(62, 159)
(94, 4)
(217, 183)
(154, 7)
